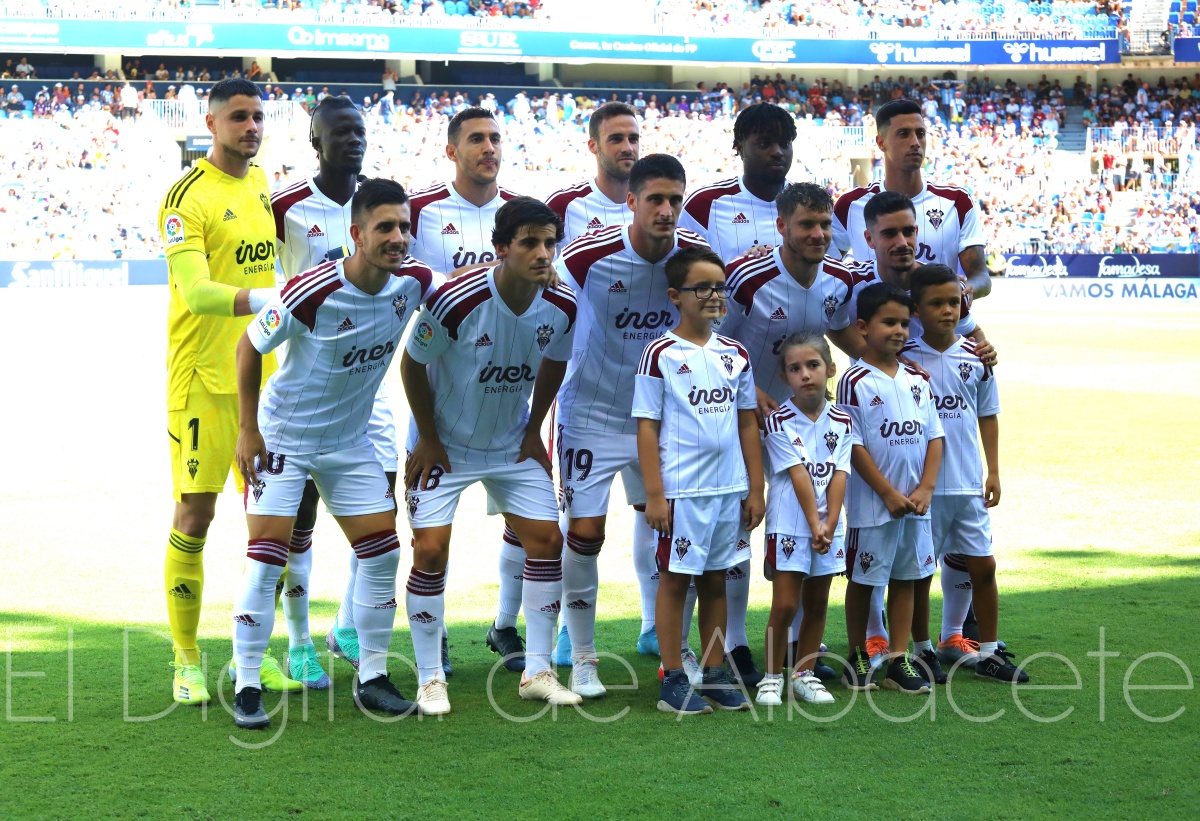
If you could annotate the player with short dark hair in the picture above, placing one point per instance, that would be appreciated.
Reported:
(484, 342)
(949, 219)
(898, 443)
(343, 319)
(698, 446)
(217, 233)
(619, 277)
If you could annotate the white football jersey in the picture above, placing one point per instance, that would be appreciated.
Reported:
(308, 225)
(865, 274)
(584, 209)
(964, 389)
(730, 218)
(895, 419)
(948, 223)
(623, 305)
(823, 447)
(696, 393)
(766, 305)
(448, 232)
(340, 343)
(483, 360)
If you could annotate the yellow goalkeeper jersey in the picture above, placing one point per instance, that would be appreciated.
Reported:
(229, 220)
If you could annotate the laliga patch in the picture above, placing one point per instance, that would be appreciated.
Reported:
(174, 230)
(269, 321)
(423, 335)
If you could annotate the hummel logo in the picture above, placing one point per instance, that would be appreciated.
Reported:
(595, 224)
(422, 617)
(797, 442)
(483, 341)
(740, 219)
(552, 607)
(617, 287)
(346, 325)
(876, 402)
(387, 605)
(229, 215)
(247, 620)
(181, 591)
(315, 231)
(449, 229)
(296, 592)
(779, 314)
(684, 369)
(579, 604)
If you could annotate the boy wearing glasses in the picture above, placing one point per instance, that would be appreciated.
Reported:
(698, 446)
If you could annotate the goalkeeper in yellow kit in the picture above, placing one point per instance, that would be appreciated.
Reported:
(218, 233)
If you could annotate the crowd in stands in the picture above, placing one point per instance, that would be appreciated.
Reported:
(331, 11)
(70, 168)
(882, 18)
(1133, 102)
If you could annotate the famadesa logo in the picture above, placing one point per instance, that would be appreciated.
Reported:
(1035, 267)
(1134, 269)
(348, 38)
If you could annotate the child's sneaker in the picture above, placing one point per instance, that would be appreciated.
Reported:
(858, 673)
(902, 676)
(877, 649)
(928, 666)
(678, 696)
(957, 648)
(808, 687)
(999, 667)
(770, 691)
(719, 690)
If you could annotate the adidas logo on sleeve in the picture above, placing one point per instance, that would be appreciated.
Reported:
(229, 215)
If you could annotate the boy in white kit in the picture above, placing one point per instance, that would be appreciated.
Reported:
(698, 446)
(483, 342)
(896, 456)
(343, 320)
(964, 391)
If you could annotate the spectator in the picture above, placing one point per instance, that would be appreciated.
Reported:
(129, 101)
(24, 71)
(14, 103)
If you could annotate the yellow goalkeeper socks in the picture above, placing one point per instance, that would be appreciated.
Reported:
(185, 585)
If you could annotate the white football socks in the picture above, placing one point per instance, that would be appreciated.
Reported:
(512, 569)
(875, 617)
(375, 600)
(295, 591)
(254, 611)
(737, 598)
(345, 616)
(425, 601)
(543, 586)
(580, 587)
(956, 594)
(645, 543)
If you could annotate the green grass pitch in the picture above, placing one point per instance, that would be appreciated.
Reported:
(1097, 535)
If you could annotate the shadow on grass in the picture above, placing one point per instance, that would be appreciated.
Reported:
(104, 754)
(1115, 559)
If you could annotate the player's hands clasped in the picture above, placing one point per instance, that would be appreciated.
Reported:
(898, 504)
(823, 538)
(658, 514)
(250, 450)
(920, 498)
(991, 490)
(426, 455)
(532, 447)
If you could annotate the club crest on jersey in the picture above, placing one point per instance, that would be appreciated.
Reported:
(727, 361)
(740, 219)
(831, 440)
(595, 224)
(400, 304)
(193, 465)
(830, 304)
(568, 494)
(788, 545)
(411, 500)
(935, 217)
(266, 202)
(964, 370)
(257, 489)
(916, 392)
(865, 560)
(681, 546)
(544, 332)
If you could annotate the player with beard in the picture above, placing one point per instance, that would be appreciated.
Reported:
(949, 221)
(452, 228)
(737, 216)
(591, 206)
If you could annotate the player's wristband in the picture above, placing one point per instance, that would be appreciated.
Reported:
(259, 297)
